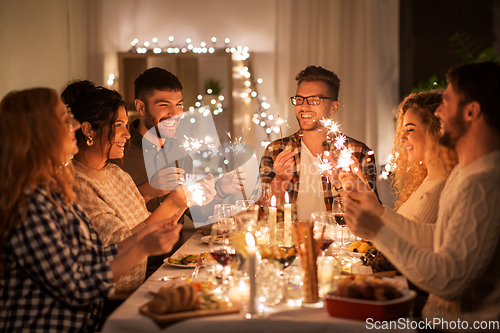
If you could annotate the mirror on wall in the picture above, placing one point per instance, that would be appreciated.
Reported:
(206, 80)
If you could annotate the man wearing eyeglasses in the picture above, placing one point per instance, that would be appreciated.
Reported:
(290, 164)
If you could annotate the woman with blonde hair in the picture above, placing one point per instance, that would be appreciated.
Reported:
(420, 169)
(54, 270)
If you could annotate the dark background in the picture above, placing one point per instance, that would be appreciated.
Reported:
(427, 25)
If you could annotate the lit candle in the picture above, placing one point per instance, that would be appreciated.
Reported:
(288, 221)
(272, 220)
(251, 251)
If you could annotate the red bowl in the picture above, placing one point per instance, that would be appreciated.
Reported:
(360, 309)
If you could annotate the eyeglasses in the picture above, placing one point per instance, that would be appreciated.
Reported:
(311, 100)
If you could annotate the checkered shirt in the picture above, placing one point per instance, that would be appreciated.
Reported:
(57, 271)
(293, 143)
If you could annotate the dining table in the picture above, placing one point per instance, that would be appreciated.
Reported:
(279, 318)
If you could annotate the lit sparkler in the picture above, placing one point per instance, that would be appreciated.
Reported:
(340, 141)
(324, 165)
(331, 126)
(344, 159)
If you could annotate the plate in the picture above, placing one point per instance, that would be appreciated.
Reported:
(356, 254)
(360, 309)
(206, 239)
(178, 316)
(179, 256)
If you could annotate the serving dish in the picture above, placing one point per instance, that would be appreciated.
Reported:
(360, 309)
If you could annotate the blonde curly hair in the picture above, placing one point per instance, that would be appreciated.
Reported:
(406, 176)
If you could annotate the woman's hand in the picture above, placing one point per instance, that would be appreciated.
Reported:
(159, 237)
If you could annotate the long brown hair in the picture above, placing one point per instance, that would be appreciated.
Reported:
(33, 154)
(407, 177)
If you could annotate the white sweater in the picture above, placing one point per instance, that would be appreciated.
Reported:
(462, 274)
(420, 208)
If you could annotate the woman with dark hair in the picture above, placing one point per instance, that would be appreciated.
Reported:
(54, 270)
(106, 192)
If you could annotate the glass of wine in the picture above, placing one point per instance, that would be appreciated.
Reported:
(324, 229)
(221, 246)
(338, 212)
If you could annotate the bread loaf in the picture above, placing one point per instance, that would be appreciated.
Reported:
(174, 297)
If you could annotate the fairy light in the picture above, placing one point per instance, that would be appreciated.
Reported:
(238, 53)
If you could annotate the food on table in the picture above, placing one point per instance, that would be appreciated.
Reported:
(284, 255)
(377, 261)
(177, 296)
(368, 289)
(361, 247)
(308, 249)
(186, 259)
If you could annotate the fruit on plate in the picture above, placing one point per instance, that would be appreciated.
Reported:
(361, 247)
(186, 259)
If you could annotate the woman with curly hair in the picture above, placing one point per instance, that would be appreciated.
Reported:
(420, 169)
(54, 270)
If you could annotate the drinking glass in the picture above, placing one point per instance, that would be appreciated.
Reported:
(222, 211)
(324, 229)
(242, 205)
(338, 212)
(221, 245)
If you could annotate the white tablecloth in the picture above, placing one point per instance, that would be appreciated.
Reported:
(281, 318)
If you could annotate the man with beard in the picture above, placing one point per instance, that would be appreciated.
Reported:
(159, 102)
(462, 273)
(289, 164)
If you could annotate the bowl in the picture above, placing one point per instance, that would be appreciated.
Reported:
(361, 309)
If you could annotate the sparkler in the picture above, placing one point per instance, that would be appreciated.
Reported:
(331, 126)
(344, 159)
(280, 121)
(324, 165)
(237, 147)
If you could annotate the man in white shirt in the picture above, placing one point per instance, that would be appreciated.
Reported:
(462, 273)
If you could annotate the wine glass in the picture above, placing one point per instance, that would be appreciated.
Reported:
(223, 211)
(242, 205)
(338, 212)
(221, 245)
(324, 230)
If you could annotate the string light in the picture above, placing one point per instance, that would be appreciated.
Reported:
(239, 53)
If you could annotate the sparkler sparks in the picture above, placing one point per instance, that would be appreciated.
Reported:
(340, 141)
(331, 126)
(324, 165)
(345, 159)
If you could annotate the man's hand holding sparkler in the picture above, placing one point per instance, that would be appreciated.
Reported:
(283, 165)
(166, 180)
(360, 192)
(231, 182)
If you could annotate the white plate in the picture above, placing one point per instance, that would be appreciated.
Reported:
(356, 254)
(180, 265)
(205, 239)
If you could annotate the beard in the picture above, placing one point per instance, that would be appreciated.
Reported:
(456, 129)
(162, 131)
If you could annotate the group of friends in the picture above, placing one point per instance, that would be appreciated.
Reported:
(81, 214)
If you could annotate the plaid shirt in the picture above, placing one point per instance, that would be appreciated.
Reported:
(57, 271)
(293, 143)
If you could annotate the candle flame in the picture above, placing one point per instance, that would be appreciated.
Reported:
(286, 197)
(249, 239)
(273, 201)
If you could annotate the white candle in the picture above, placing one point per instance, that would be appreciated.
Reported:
(251, 251)
(272, 220)
(288, 221)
